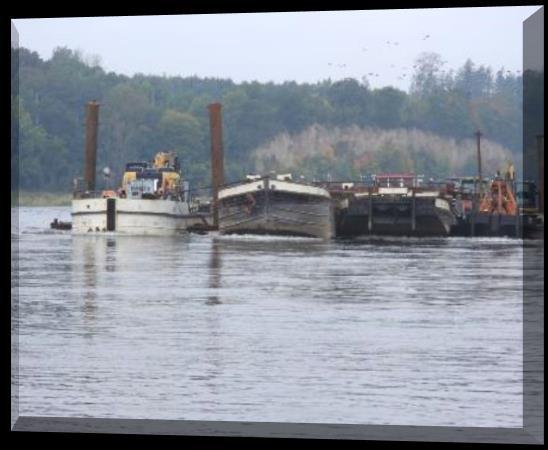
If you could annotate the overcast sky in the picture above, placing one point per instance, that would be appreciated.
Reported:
(304, 47)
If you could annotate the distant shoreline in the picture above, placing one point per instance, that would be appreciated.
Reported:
(27, 198)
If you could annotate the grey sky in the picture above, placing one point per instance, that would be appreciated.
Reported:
(305, 47)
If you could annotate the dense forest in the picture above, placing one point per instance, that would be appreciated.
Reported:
(338, 129)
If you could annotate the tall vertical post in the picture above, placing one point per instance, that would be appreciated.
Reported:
(217, 164)
(480, 179)
(476, 200)
(92, 122)
(540, 155)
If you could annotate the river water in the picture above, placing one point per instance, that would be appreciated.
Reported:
(371, 331)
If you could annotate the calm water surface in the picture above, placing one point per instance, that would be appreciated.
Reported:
(391, 331)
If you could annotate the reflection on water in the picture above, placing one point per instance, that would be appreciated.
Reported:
(379, 330)
(111, 255)
(214, 273)
(252, 245)
(90, 279)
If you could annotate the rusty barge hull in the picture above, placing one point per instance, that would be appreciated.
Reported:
(401, 216)
(495, 225)
(271, 207)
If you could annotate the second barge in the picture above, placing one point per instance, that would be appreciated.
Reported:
(394, 206)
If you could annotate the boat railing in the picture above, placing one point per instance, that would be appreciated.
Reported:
(235, 183)
(87, 194)
(273, 178)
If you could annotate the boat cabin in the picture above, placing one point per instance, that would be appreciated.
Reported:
(160, 177)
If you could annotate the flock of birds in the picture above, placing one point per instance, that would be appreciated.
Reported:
(393, 66)
(404, 75)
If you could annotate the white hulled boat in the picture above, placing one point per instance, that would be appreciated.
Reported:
(153, 200)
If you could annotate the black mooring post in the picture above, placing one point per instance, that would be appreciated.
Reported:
(111, 214)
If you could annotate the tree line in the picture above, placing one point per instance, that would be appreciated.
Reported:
(143, 114)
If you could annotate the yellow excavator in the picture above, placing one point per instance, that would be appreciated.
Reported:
(167, 164)
(164, 168)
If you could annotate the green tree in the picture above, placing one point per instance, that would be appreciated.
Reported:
(388, 107)
(182, 133)
(143, 114)
(351, 102)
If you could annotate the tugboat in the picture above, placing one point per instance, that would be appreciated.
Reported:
(498, 213)
(493, 211)
(152, 200)
(275, 205)
(395, 205)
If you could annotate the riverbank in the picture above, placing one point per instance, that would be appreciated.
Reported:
(26, 198)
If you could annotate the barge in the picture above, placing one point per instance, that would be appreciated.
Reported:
(275, 206)
(395, 205)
